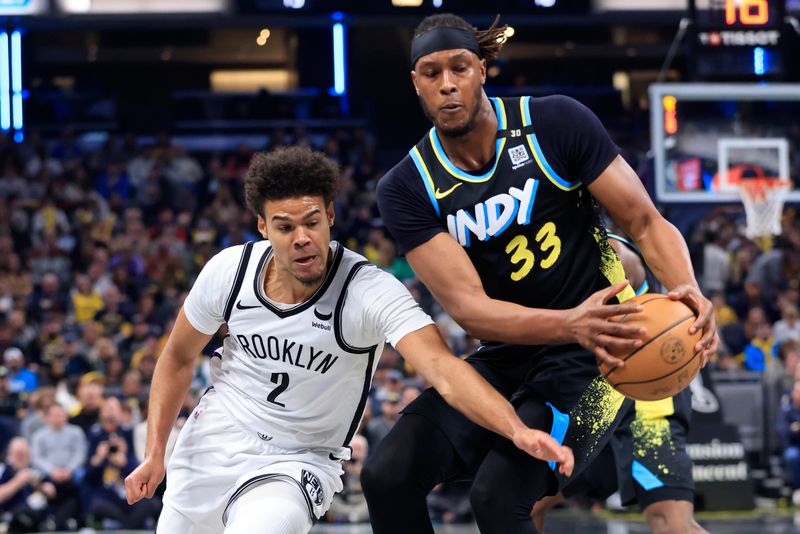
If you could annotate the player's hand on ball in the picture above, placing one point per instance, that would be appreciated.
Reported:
(542, 446)
(589, 325)
(705, 321)
(144, 480)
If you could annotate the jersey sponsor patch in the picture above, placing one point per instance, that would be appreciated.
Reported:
(519, 156)
(312, 487)
(323, 316)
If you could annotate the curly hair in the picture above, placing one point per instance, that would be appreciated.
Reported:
(289, 172)
(490, 40)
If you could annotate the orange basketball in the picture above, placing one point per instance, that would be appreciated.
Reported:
(666, 361)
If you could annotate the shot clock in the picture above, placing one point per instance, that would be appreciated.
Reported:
(738, 39)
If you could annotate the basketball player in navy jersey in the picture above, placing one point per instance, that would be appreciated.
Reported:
(646, 458)
(494, 209)
(307, 320)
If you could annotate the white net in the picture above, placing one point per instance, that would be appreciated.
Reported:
(763, 200)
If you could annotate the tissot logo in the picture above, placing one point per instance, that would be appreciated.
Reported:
(240, 306)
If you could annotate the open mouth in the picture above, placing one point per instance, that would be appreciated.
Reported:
(305, 261)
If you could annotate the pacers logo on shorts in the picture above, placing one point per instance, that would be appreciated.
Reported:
(311, 484)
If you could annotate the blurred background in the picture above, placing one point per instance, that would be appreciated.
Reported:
(126, 127)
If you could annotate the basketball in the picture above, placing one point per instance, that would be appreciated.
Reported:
(666, 362)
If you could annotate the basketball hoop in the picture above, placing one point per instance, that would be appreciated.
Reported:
(763, 200)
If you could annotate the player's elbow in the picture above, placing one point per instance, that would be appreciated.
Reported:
(641, 222)
(469, 314)
(441, 374)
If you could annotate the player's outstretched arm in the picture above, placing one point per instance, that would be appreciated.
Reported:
(619, 190)
(171, 381)
(464, 389)
(447, 271)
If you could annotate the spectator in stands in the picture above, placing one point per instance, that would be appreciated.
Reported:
(378, 427)
(48, 298)
(23, 333)
(760, 352)
(49, 220)
(137, 339)
(391, 263)
(86, 302)
(116, 310)
(59, 450)
(39, 402)
(24, 493)
(20, 378)
(147, 365)
(114, 186)
(17, 276)
(788, 328)
(723, 313)
(103, 351)
(111, 460)
(789, 432)
(716, 262)
(76, 362)
(772, 271)
(90, 395)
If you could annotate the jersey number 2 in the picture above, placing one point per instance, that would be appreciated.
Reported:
(282, 379)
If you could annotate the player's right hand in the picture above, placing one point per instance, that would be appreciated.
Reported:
(589, 325)
(541, 445)
(144, 480)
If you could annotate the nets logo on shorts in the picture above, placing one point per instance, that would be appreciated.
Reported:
(312, 486)
(519, 156)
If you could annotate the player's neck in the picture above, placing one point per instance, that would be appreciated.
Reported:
(472, 151)
(281, 286)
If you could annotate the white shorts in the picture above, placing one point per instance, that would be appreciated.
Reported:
(215, 461)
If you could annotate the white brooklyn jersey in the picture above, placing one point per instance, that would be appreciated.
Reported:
(298, 376)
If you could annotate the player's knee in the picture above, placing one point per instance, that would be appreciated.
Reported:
(379, 476)
(271, 508)
(669, 520)
(481, 498)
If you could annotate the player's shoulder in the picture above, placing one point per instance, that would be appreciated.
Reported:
(353, 260)
(227, 260)
(401, 176)
(557, 108)
(365, 272)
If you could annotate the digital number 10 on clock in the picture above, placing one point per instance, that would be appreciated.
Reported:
(749, 12)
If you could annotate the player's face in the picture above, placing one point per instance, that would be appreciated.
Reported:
(450, 88)
(299, 229)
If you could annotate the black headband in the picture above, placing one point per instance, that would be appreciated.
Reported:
(443, 38)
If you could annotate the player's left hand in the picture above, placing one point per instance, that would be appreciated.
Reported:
(705, 321)
(542, 446)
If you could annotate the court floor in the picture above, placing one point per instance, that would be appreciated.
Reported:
(576, 522)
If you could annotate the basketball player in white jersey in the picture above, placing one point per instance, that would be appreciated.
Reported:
(307, 321)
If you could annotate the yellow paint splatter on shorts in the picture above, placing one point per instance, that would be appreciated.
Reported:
(594, 414)
(652, 441)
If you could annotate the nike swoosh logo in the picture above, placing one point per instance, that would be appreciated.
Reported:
(239, 306)
(264, 436)
(439, 195)
(322, 316)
